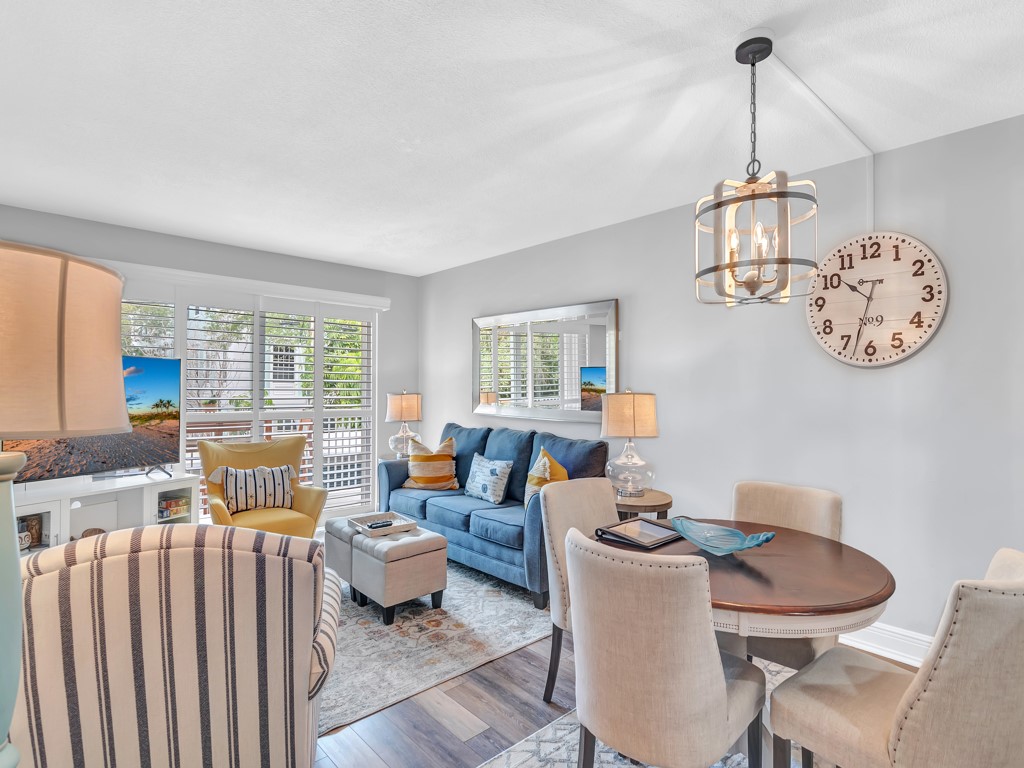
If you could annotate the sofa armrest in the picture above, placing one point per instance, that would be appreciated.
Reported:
(309, 500)
(534, 551)
(322, 658)
(390, 476)
(219, 511)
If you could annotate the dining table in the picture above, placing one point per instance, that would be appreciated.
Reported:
(796, 585)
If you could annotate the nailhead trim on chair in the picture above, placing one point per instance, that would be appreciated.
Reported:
(938, 659)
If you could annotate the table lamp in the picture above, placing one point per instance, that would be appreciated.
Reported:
(629, 414)
(60, 347)
(404, 408)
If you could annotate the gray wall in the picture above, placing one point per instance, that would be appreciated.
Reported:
(925, 453)
(398, 350)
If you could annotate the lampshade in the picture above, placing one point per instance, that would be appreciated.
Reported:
(629, 414)
(488, 398)
(60, 346)
(404, 407)
(60, 352)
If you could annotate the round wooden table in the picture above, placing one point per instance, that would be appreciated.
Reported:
(657, 502)
(797, 585)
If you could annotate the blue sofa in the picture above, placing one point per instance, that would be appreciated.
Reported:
(504, 540)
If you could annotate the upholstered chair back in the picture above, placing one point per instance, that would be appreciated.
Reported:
(649, 677)
(584, 504)
(175, 645)
(811, 510)
(268, 453)
(964, 706)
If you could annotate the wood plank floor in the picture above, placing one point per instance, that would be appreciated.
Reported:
(462, 722)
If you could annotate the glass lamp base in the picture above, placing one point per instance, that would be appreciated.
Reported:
(629, 473)
(399, 443)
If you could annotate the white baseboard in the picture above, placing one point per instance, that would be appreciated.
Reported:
(891, 642)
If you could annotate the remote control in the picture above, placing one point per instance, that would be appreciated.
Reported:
(380, 524)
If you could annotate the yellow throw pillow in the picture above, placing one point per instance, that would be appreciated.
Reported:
(432, 470)
(545, 470)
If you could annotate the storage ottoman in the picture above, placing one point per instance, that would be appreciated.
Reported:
(389, 569)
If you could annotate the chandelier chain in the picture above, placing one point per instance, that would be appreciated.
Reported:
(754, 166)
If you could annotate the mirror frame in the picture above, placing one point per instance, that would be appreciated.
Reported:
(610, 307)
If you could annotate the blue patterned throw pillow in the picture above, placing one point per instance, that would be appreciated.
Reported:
(488, 479)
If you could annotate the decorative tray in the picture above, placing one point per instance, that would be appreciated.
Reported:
(718, 539)
(399, 523)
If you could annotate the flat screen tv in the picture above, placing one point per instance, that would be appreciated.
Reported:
(152, 387)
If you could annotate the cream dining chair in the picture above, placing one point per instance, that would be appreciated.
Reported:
(584, 504)
(962, 708)
(650, 680)
(810, 510)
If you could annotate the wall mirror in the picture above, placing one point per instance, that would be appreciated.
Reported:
(547, 363)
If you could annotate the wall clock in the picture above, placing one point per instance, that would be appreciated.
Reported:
(877, 299)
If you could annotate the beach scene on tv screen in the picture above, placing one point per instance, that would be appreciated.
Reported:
(153, 391)
(593, 384)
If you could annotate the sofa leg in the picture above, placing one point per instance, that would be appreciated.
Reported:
(353, 593)
(389, 615)
(782, 750)
(540, 600)
(556, 656)
(436, 597)
(362, 599)
(807, 757)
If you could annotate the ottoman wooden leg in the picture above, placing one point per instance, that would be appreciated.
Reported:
(435, 598)
(389, 615)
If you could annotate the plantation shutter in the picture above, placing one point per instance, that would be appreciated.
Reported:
(348, 453)
(513, 367)
(545, 369)
(147, 329)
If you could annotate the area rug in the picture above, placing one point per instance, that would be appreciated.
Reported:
(557, 745)
(481, 619)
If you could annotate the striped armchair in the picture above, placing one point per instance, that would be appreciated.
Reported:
(175, 645)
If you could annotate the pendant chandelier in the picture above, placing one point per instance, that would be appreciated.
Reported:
(745, 230)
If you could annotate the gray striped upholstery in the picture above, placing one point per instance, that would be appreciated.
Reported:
(175, 645)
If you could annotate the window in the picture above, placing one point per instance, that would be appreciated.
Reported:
(261, 374)
(283, 365)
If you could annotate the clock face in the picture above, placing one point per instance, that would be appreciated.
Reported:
(877, 299)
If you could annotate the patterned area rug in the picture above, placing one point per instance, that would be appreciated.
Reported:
(482, 619)
(557, 745)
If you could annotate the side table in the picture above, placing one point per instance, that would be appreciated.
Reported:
(658, 502)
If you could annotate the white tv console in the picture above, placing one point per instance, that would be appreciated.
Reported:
(72, 505)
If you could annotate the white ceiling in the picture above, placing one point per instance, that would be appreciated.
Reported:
(417, 136)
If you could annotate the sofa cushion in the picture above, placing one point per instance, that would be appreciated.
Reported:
(432, 470)
(468, 440)
(502, 525)
(512, 445)
(454, 511)
(488, 479)
(544, 470)
(581, 458)
(413, 503)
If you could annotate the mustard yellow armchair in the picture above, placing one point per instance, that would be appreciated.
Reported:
(307, 501)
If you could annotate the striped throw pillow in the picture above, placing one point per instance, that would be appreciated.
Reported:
(432, 470)
(545, 470)
(259, 488)
(488, 479)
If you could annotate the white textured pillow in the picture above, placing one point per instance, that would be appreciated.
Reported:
(259, 488)
(488, 479)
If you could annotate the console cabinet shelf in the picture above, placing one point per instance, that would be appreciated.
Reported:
(70, 507)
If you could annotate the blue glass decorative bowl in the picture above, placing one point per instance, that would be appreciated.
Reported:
(717, 539)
